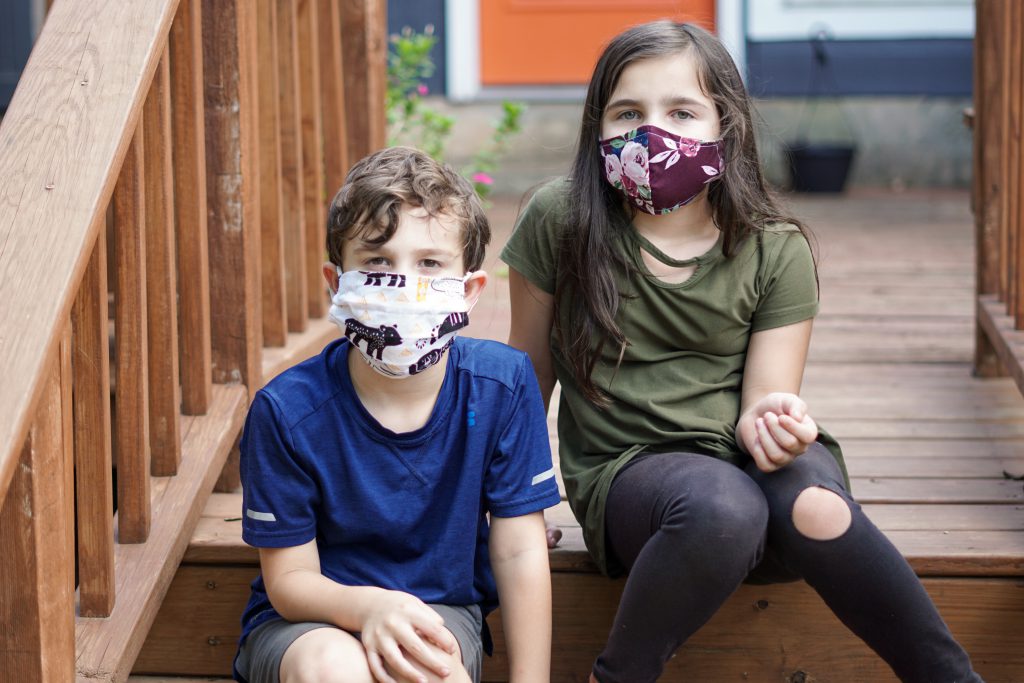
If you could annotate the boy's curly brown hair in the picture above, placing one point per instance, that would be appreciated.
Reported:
(369, 204)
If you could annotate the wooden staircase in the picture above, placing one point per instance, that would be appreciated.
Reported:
(163, 167)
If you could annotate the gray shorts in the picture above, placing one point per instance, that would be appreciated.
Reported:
(259, 658)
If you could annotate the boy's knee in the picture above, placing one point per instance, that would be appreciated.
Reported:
(325, 655)
(821, 514)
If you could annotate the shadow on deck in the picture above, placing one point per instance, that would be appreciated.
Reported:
(935, 455)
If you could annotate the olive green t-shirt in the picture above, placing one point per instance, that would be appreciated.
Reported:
(678, 386)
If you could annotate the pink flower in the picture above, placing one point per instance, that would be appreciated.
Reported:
(422, 89)
(482, 178)
(690, 147)
(634, 165)
(612, 168)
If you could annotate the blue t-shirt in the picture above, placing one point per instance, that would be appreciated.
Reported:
(398, 511)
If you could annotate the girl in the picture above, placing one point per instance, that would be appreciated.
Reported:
(671, 297)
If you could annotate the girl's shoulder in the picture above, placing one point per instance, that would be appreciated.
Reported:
(550, 199)
(781, 235)
(780, 228)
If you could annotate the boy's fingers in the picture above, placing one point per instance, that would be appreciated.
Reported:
(415, 646)
(380, 673)
(441, 637)
(397, 662)
(430, 625)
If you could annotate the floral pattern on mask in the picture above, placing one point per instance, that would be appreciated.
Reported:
(629, 167)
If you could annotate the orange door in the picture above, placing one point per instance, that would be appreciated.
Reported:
(533, 42)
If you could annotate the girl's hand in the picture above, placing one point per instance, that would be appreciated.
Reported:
(399, 626)
(775, 430)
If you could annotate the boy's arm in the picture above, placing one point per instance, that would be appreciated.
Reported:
(388, 620)
(519, 558)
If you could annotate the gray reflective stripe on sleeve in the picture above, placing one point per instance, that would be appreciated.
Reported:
(261, 516)
(543, 476)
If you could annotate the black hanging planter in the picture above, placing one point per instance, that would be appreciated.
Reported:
(818, 166)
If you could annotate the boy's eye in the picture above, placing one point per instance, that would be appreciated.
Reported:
(430, 263)
(376, 261)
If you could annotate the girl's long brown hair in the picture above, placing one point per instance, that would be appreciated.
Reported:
(590, 257)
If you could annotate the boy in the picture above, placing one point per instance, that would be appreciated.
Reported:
(369, 471)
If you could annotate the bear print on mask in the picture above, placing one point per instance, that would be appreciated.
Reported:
(377, 338)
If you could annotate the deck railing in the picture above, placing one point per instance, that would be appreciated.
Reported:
(163, 171)
(998, 192)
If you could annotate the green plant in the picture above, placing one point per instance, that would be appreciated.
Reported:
(412, 121)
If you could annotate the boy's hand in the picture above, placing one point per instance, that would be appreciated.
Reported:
(775, 430)
(399, 624)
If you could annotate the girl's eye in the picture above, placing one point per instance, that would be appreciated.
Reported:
(629, 115)
(683, 115)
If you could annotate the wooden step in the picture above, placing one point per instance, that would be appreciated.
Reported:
(971, 558)
(938, 539)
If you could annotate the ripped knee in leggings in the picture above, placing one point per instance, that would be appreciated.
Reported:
(821, 514)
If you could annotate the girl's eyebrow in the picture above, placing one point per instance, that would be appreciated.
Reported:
(668, 101)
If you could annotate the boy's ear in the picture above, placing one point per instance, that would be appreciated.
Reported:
(331, 275)
(475, 285)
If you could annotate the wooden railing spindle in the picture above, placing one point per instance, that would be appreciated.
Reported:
(364, 25)
(1012, 132)
(131, 435)
(312, 154)
(161, 279)
(272, 273)
(190, 202)
(332, 96)
(1017, 186)
(292, 193)
(232, 163)
(987, 154)
(93, 482)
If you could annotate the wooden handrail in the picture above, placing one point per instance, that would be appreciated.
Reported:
(62, 141)
(131, 177)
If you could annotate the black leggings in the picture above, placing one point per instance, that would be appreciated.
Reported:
(691, 528)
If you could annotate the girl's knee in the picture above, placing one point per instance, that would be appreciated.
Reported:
(325, 655)
(738, 515)
(821, 514)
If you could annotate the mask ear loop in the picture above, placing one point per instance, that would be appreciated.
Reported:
(465, 279)
(333, 292)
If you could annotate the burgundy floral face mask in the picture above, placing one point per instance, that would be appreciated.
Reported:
(658, 171)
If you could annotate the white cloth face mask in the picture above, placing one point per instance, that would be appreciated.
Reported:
(401, 324)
